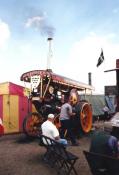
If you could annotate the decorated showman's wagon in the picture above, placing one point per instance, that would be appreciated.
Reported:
(47, 95)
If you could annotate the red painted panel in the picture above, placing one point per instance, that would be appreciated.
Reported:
(1, 107)
(16, 89)
(23, 110)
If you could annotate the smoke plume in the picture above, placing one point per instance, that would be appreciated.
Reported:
(40, 23)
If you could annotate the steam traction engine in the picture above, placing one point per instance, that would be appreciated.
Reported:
(47, 95)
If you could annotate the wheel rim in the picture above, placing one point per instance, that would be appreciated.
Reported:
(86, 117)
(33, 123)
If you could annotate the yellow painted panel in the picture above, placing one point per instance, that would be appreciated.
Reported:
(33, 108)
(14, 113)
(11, 113)
(4, 88)
(26, 92)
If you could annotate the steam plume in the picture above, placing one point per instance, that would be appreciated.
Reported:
(40, 23)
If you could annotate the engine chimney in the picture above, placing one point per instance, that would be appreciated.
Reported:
(50, 54)
(89, 78)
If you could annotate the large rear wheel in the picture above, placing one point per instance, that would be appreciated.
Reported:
(84, 114)
(32, 124)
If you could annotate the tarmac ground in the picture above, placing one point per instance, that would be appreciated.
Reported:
(22, 156)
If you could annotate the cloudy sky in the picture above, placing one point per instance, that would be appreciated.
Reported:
(80, 28)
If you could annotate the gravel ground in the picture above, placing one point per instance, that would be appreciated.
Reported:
(21, 156)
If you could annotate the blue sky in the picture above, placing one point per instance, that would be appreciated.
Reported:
(80, 28)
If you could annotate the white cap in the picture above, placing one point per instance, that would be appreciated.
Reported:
(51, 116)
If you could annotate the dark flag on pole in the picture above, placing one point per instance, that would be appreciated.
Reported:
(100, 59)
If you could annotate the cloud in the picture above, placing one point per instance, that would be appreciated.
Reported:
(83, 59)
(4, 33)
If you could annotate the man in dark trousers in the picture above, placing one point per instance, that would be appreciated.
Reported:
(65, 119)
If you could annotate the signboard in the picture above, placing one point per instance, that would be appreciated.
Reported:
(35, 80)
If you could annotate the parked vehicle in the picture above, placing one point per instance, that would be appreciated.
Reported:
(47, 94)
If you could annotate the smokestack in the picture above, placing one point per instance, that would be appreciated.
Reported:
(50, 54)
(89, 78)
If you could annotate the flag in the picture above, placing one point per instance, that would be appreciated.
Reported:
(100, 59)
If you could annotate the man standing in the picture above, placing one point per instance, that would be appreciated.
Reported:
(49, 129)
(106, 113)
(65, 119)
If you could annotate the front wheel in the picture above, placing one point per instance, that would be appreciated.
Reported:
(32, 124)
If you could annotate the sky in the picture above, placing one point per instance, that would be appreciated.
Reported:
(79, 28)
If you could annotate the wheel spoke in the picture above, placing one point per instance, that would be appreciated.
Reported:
(32, 124)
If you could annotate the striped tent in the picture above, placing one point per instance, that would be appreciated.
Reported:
(13, 106)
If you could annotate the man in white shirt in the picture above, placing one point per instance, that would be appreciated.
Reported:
(49, 129)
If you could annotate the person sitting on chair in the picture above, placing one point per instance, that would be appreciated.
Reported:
(49, 129)
(103, 142)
